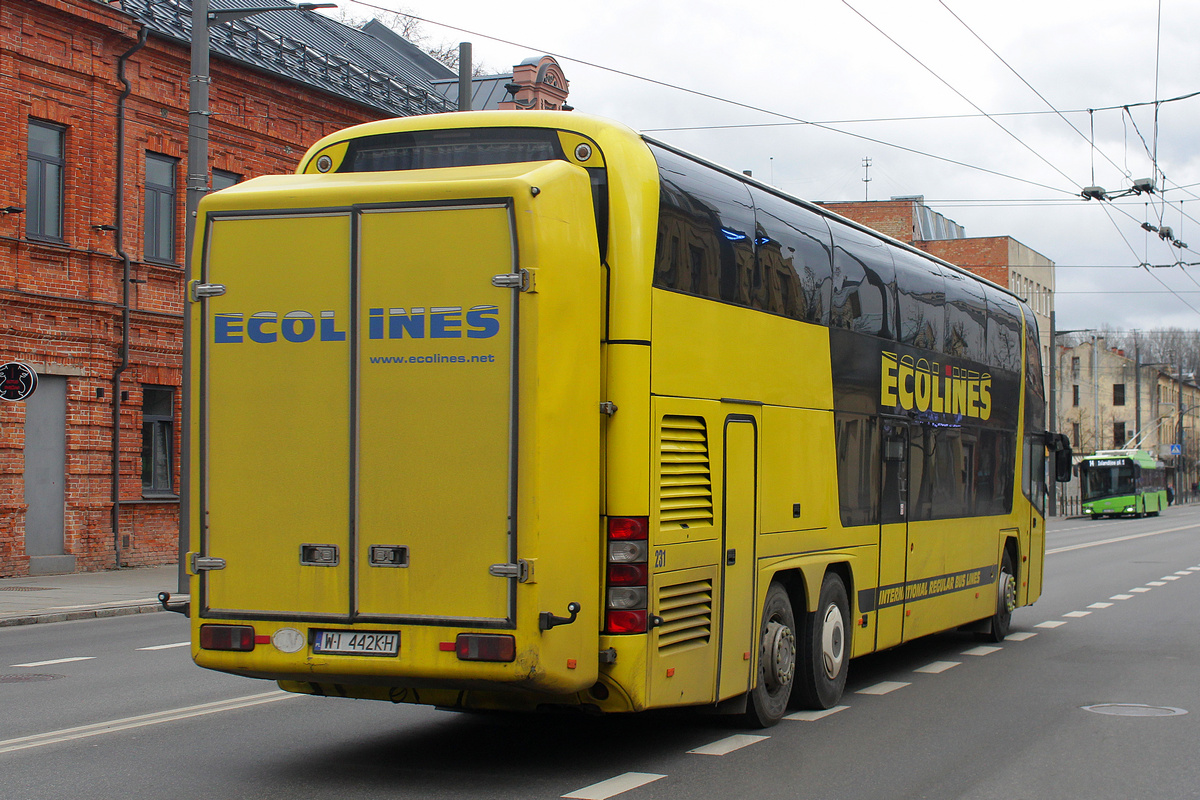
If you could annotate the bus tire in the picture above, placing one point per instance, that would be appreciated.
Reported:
(768, 700)
(1006, 600)
(825, 647)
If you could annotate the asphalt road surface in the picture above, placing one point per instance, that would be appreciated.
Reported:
(1095, 695)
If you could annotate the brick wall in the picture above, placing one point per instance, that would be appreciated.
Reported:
(893, 218)
(60, 302)
(987, 257)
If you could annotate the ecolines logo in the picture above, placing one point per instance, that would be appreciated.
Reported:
(443, 322)
(917, 384)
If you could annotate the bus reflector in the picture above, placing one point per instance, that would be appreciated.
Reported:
(625, 621)
(227, 637)
(627, 574)
(486, 647)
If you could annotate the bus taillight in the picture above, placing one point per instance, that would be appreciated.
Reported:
(628, 575)
(227, 637)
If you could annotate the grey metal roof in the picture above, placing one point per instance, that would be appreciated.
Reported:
(486, 91)
(306, 47)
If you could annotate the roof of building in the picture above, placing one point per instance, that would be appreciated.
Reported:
(379, 71)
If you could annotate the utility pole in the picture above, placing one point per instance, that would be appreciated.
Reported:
(1137, 387)
(866, 178)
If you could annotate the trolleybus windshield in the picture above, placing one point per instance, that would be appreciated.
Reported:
(1108, 480)
(469, 147)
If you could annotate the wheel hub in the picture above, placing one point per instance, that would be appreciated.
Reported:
(779, 655)
(833, 642)
(1008, 593)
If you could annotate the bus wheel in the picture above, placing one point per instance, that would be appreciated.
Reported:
(776, 661)
(1006, 600)
(825, 647)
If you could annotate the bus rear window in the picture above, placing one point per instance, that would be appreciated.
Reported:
(451, 148)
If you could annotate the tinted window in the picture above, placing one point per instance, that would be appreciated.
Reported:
(966, 317)
(920, 301)
(1004, 331)
(863, 283)
(705, 232)
(794, 257)
(857, 443)
(452, 148)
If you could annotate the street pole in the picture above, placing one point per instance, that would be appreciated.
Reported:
(1053, 410)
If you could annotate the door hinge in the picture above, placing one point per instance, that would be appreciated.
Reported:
(608, 408)
(520, 570)
(205, 563)
(203, 290)
(522, 280)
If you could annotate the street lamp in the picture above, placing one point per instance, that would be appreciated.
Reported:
(203, 18)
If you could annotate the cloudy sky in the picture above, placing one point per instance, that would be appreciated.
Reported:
(980, 107)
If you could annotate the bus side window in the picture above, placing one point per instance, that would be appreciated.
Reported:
(864, 283)
(795, 256)
(920, 301)
(705, 232)
(966, 317)
(1004, 331)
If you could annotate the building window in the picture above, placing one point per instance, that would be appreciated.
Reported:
(158, 437)
(223, 180)
(1118, 394)
(44, 192)
(160, 207)
(1075, 435)
(1118, 434)
(1075, 395)
(1075, 368)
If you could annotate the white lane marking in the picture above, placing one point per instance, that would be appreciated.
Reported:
(982, 650)
(1100, 605)
(1076, 614)
(1142, 589)
(813, 716)
(1022, 636)
(613, 786)
(1051, 623)
(166, 646)
(141, 721)
(1071, 547)
(1193, 569)
(883, 688)
(1155, 583)
(728, 744)
(1121, 597)
(1169, 578)
(937, 667)
(1184, 572)
(55, 661)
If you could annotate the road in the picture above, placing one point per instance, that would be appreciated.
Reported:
(129, 716)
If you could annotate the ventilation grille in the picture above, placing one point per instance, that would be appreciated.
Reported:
(686, 611)
(685, 485)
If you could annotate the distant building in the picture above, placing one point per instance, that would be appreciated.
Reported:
(1000, 259)
(1108, 402)
(91, 234)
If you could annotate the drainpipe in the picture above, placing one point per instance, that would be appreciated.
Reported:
(119, 240)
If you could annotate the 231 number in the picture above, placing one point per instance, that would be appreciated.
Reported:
(660, 559)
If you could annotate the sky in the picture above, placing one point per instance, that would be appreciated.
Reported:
(982, 108)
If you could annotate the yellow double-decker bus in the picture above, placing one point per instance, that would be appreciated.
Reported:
(524, 410)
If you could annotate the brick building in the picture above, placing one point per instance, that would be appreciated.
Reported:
(1000, 259)
(93, 118)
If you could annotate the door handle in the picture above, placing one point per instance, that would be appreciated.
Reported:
(730, 557)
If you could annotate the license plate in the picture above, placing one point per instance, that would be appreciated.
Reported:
(356, 643)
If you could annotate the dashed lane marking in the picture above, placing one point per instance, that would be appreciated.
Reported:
(982, 650)
(1051, 623)
(613, 786)
(813, 716)
(728, 744)
(55, 661)
(1142, 589)
(937, 667)
(1020, 636)
(882, 688)
(1077, 614)
(166, 646)
(1155, 583)
(1121, 597)
(1100, 605)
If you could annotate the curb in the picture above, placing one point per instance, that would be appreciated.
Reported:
(80, 613)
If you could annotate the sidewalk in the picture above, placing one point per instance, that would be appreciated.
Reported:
(84, 595)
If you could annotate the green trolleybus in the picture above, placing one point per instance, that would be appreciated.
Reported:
(1122, 482)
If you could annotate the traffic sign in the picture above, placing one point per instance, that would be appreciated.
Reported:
(1176, 449)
